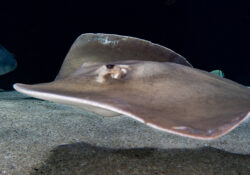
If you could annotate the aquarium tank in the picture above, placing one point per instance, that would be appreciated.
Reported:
(124, 87)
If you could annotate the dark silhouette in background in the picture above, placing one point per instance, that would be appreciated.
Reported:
(210, 34)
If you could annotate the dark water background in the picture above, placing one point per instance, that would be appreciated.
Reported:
(210, 34)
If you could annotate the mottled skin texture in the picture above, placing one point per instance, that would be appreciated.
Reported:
(112, 75)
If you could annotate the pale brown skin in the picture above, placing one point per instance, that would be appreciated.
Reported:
(173, 97)
(100, 48)
(112, 75)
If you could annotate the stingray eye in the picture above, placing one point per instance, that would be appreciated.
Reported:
(110, 66)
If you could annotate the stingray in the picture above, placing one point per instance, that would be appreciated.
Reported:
(7, 61)
(112, 75)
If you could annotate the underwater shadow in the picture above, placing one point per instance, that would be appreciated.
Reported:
(83, 158)
(20, 99)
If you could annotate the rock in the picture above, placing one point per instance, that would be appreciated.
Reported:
(41, 137)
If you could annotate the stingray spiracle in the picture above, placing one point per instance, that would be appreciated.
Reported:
(113, 71)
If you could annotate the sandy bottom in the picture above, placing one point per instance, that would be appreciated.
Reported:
(44, 138)
(85, 159)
